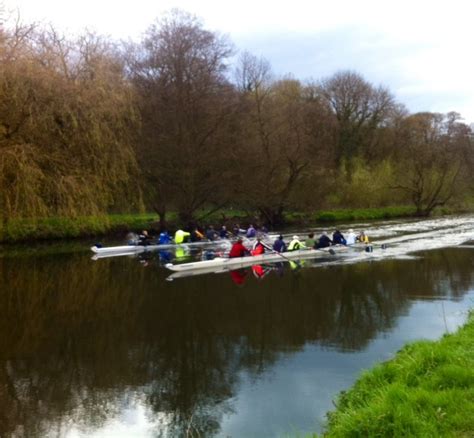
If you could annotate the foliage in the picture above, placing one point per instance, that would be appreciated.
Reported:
(426, 390)
(90, 127)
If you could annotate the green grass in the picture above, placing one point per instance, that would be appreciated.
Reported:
(427, 390)
(20, 230)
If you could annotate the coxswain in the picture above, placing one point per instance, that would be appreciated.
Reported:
(279, 245)
(181, 236)
(238, 249)
(338, 238)
(362, 237)
(295, 244)
(324, 241)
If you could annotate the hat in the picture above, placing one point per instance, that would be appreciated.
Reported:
(296, 237)
(351, 230)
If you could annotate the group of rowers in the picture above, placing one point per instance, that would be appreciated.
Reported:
(196, 235)
(324, 241)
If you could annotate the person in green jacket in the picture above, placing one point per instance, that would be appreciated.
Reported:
(181, 236)
(295, 244)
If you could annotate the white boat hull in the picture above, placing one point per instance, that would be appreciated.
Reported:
(124, 250)
(220, 263)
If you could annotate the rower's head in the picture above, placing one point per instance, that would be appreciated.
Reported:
(239, 239)
(295, 237)
(280, 237)
(351, 230)
(311, 235)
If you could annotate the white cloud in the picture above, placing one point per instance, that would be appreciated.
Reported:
(421, 49)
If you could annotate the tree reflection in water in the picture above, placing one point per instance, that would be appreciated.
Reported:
(80, 341)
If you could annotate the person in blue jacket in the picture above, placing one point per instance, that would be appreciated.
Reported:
(164, 238)
(279, 245)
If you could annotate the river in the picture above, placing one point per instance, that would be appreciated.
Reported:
(111, 348)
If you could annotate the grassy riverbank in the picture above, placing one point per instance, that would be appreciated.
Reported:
(21, 230)
(427, 390)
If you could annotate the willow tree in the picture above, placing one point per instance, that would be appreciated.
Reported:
(65, 121)
(187, 105)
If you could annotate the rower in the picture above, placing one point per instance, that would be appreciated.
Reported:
(211, 233)
(144, 238)
(310, 242)
(181, 236)
(196, 235)
(258, 247)
(238, 249)
(223, 234)
(295, 244)
(164, 239)
(350, 237)
(338, 238)
(251, 231)
(324, 241)
(279, 245)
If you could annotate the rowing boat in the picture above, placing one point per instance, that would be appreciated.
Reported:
(123, 250)
(221, 263)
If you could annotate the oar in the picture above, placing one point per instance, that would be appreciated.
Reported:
(276, 252)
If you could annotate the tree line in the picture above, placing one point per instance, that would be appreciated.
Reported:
(179, 121)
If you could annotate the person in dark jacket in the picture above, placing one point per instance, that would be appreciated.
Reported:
(279, 245)
(338, 238)
(238, 249)
(223, 233)
(211, 233)
(324, 241)
(144, 238)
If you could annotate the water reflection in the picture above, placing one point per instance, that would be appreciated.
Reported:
(81, 341)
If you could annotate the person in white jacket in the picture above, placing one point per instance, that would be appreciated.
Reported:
(350, 237)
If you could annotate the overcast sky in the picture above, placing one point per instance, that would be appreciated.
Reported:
(422, 50)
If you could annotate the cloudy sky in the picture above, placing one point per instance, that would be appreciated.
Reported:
(422, 50)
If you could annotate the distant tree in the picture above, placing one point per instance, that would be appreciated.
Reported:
(275, 140)
(431, 157)
(360, 109)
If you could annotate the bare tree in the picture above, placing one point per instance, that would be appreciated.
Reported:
(187, 106)
(360, 109)
(431, 157)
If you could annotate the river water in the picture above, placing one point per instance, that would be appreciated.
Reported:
(110, 348)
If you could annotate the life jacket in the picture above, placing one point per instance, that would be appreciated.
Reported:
(294, 245)
(180, 235)
(258, 249)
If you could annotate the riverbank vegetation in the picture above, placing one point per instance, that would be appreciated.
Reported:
(182, 122)
(426, 390)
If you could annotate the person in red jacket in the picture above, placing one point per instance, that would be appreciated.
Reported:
(238, 249)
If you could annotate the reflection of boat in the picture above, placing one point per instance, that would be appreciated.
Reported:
(114, 251)
(222, 264)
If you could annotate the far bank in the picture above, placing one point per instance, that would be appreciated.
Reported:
(54, 228)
